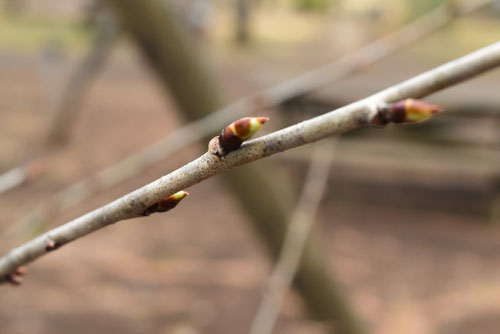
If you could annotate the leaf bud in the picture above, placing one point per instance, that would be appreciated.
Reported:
(166, 204)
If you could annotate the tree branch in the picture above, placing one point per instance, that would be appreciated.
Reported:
(267, 98)
(350, 117)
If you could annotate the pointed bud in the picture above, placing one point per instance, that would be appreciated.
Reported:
(406, 111)
(419, 111)
(411, 111)
(233, 135)
(166, 204)
(171, 201)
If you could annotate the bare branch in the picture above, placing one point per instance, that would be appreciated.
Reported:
(350, 117)
(267, 98)
(295, 239)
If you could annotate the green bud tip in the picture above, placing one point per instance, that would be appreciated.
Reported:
(246, 127)
(233, 135)
(178, 196)
(419, 111)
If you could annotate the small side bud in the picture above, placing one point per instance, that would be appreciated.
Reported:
(233, 135)
(171, 201)
(405, 111)
(50, 245)
(166, 204)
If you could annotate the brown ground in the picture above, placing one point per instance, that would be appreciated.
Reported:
(198, 269)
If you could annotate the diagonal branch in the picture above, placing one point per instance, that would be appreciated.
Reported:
(267, 98)
(350, 117)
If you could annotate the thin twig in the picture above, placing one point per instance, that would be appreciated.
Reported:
(295, 239)
(267, 98)
(350, 117)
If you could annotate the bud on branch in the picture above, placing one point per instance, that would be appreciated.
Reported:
(233, 135)
(166, 204)
(50, 245)
(405, 111)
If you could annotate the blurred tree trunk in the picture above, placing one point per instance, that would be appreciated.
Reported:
(265, 198)
(242, 20)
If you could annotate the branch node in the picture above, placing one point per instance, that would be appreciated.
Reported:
(215, 147)
(50, 245)
(233, 135)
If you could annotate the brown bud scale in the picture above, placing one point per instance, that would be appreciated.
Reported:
(229, 140)
(233, 135)
(397, 112)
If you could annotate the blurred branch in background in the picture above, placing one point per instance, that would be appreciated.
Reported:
(297, 233)
(107, 31)
(21, 175)
(209, 124)
(242, 20)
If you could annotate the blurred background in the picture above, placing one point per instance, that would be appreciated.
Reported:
(406, 238)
